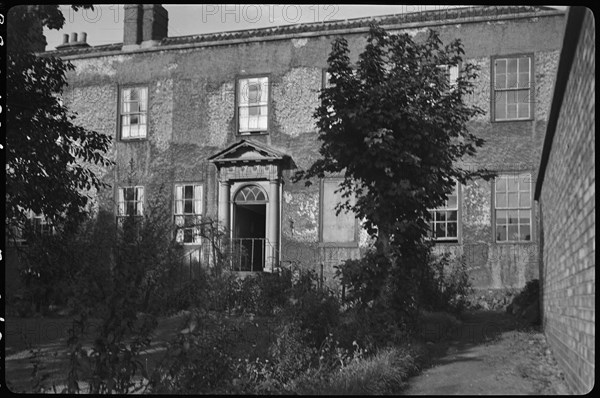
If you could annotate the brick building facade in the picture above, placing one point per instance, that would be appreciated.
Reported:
(221, 121)
(566, 193)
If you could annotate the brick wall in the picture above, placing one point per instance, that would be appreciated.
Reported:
(568, 213)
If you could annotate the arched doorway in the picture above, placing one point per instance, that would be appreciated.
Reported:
(249, 228)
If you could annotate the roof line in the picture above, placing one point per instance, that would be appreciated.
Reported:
(355, 25)
(573, 26)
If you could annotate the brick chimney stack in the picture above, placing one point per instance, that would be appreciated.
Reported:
(145, 25)
(76, 41)
(132, 30)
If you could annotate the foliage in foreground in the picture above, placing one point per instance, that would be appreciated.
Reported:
(51, 162)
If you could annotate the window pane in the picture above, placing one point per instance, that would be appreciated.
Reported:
(440, 230)
(512, 66)
(143, 99)
(125, 132)
(513, 199)
(500, 66)
(130, 206)
(524, 200)
(501, 233)
(188, 206)
(524, 64)
(452, 230)
(511, 111)
(252, 122)
(523, 110)
(500, 80)
(525, 182)
(243, 123)
(452, 202)
(262, 122)
(523, 80)
(513, 183)
(513, 232)
(126, 95)
(513, 216)
(525, 232)
(523, 97)
(501, 200)
(188, 192)
(501, 216)
(243, 92)
(253, 93)
(524, 216)
(501, 184)
(441, 216)
(254, 111)
(511, 80)
(264, 87)
(452, 215)
(512, 97)
(500, 107)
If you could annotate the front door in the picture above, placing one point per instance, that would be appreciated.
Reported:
(249, 229)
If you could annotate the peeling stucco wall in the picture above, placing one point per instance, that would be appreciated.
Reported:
(295, 98)
(192, 116)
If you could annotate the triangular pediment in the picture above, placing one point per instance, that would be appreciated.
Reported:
(245, 151)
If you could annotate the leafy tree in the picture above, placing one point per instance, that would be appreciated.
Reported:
(48, 156)
(396, 128)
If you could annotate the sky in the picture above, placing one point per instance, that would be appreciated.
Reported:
(104, 25)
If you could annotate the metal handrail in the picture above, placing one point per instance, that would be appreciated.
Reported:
(244, 252)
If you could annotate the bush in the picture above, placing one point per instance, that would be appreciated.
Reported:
(445, 284)
(199, 360)
(363, 279)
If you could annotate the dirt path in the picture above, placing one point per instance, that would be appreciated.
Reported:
(489, 353)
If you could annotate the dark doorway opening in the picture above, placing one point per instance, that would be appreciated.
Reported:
(249, 236)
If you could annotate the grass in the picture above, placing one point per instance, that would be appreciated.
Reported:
(384, 372)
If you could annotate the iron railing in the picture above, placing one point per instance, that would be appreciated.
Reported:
(248, 254)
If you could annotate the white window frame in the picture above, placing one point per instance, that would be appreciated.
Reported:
(138, 201)
(503, 205)
(248, 124)
(447, 210)
(519, 91)
(41, 225)
(131, 110)
(183, 217)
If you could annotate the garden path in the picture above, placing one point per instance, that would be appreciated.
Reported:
(488, 353)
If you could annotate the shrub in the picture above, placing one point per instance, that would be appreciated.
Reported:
(445, 284)
(199, 359)
(363, 279)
